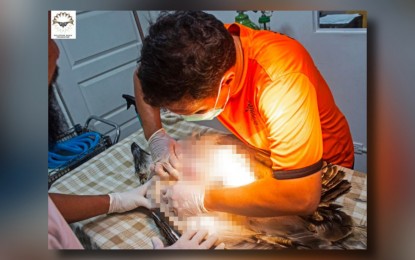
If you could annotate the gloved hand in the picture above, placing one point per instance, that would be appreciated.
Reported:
(184, 198)
(190, 240)
(165, 153)
(128, 200)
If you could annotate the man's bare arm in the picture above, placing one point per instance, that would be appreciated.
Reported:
(79, 207)
(268, 197)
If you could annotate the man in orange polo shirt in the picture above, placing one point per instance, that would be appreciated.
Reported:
(264, 87)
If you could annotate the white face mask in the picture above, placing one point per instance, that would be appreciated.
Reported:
(211, 113)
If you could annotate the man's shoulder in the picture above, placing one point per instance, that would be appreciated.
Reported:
(279, 54)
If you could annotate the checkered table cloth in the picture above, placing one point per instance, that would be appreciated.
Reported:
(113, 171)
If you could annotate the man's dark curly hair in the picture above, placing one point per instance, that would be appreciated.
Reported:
(185, 54)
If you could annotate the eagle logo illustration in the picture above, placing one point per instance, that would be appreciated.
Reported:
(63, 19)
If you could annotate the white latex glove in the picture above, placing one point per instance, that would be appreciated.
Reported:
(190, 240)
(184, 198)
(125, 201)
(165, 153)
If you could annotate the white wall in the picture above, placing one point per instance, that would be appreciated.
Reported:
(96, 68)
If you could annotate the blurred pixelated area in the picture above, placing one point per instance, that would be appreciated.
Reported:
(214, 161)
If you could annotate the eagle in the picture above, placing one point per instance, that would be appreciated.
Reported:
(327, 228)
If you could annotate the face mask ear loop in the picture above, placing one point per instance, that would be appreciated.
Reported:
(227, 98)
(220, 88)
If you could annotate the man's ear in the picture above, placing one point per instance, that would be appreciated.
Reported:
(229, 77)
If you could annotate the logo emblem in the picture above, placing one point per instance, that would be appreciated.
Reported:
(251, 109)
(63, 24)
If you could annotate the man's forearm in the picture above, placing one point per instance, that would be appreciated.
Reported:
(268, 197)
(150, 116)
(79, 207)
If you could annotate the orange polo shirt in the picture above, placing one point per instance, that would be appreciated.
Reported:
(283, 106)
